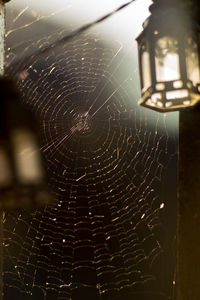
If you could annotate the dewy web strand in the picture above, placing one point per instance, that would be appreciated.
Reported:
(108, 234)
(44, 51)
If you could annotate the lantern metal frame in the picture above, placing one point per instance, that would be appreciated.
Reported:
(168, 19)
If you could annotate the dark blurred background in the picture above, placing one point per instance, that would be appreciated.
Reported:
(110, 232)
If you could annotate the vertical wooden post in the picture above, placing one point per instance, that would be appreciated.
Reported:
(189, 206)
(2, 36)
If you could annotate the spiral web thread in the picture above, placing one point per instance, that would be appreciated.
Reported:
(107, 233)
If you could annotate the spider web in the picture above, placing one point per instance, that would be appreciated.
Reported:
(110, 232)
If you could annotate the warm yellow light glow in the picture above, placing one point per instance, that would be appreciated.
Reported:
(155, 97)
(186, 102)
(27, 156)
(168, 104)
(146, 70)
(150, 102)
(178, 84)
(179, 94)
(160, 104)
(160, 86)
(167, 59)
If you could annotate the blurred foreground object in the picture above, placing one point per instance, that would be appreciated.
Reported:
(22, 177)
(169, 56)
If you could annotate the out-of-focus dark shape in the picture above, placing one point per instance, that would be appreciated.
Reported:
(22, 177)
(169, 59)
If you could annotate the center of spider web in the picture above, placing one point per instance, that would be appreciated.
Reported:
(81, 122)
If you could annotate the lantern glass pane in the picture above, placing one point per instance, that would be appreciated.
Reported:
(27, 157)
(5, 169)
(179, 94)
(192, 61)
(146, 73)
(167, 59)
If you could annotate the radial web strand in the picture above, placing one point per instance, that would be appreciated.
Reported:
(110, 232)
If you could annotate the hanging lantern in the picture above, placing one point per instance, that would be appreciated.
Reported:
(169, 56)
(22, 177)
